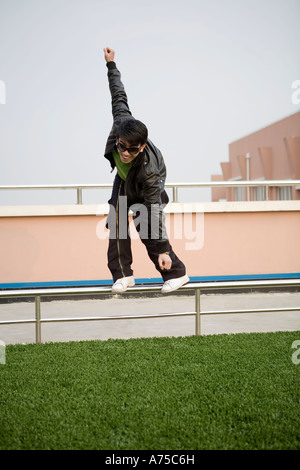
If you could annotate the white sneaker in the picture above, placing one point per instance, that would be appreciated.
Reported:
(173, 284)
(122, 284)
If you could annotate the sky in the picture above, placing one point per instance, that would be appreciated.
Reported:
(199, 73)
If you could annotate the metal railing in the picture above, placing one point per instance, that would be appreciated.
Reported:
(38, 294)
(174, 186)
(234, 184)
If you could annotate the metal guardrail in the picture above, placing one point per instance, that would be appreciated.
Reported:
(38, 294)
(174, 186)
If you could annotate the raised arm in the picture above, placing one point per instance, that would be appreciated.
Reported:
(119, 99)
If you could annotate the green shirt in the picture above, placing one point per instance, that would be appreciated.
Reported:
(122, 168)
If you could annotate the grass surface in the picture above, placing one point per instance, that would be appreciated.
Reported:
(209, 392)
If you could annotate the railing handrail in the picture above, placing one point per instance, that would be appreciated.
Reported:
(227, 183)
(205, 285)
(174, 186)
(197, 287)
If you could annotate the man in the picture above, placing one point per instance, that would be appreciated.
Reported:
(138, 185)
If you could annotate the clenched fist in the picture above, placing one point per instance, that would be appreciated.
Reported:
(164, 261)
(109, 54)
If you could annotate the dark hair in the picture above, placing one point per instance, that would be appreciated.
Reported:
(133, 131)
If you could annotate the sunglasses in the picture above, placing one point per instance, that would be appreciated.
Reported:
(132, 150)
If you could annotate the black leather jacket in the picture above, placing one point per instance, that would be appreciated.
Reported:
(146, 178)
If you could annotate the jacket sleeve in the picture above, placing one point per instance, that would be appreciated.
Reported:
(119, 101)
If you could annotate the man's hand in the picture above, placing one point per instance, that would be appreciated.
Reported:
(109, 54)
(164, 261)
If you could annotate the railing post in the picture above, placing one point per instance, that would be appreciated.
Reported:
(175, 194)
(267, 193)
(198, 314)
(79, 195)
(38, 319)
(248, 156)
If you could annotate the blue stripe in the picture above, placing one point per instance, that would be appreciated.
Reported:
(153, 280)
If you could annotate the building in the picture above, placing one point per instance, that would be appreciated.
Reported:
(272, 153)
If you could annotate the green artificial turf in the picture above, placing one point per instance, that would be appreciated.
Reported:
(208, 392)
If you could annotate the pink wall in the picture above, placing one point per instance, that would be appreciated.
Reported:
(236, 242)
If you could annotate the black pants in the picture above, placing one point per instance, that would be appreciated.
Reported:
(119, 248)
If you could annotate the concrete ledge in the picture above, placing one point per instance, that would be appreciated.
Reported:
(171, 208)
